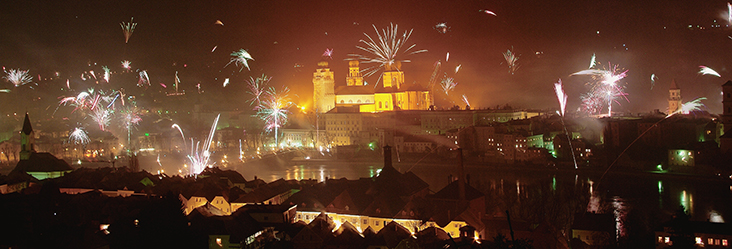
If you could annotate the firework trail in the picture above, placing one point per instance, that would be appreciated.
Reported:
(458, 68)
(653, 80)
(559, 90)
(127, 65)
(214, 49)
(226, 82)
(219, 22)
(448, 84)
(562, 98)
(106, 73)
(200, 154)
(442, 28)
(240, 57)
(79, 136)
(447, 57)
(511, 60)
(729, 13)
(465, 99)
(4, 90)
(593, 61)
(328, 53)
(704, 70)
(604, 87)
(384, 51)
(101, 116)
(143, 78)
(433, 78)
(128, 28)
(18, 77)
(273, 109)
(694, 105)
(67, 84)
(257, 87)
(488, 12)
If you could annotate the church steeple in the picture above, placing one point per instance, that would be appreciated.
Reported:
(26, 139)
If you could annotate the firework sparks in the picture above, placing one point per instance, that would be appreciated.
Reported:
(604, 87)
(385, 52)
(101, 116)
(18, 77)
(4, 90)
(128, 28)
(488, 12)
(559, 89)
(653, 80)
(257, 88)
(200, 154)
(447, 57)
(226, 82)
(79, 136)
(448, 84)
(273, 109)
(704, 70)
(240, 57)
(511, 60)
(442, 28)
(143, 78)
(106, 73)
(458, 68)
(691, 106)
(328, 53)
(127, 65)
(729, 13)
(219, 22)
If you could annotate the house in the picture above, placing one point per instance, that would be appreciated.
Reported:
(594, 229)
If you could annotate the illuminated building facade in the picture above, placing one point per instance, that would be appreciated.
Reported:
(391, 95)
(323, 87)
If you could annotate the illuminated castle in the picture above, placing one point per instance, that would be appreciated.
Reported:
(391, 95)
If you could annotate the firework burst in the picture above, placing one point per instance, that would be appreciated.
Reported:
(127, 65)
(328, 53)
(691, 106)
(273, 109)
(605, 88)
(101, 116)
(442, 27)
(511, 60)
(128, 28)
(18, 77)
(240, 56)
(448, 84)
(106, 73)
(257, 87)
(384, 51)
(143, 78)
(79, 136)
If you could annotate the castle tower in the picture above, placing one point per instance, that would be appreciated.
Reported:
(674, 98)
(354, 74)
(393, 76)
(323, 88)
(26, 139)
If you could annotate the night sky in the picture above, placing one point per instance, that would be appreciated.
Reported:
(286, 39)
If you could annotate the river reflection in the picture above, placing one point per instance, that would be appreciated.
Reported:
(640, 202)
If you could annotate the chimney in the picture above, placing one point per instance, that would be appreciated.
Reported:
(461, 178)
(387, 156)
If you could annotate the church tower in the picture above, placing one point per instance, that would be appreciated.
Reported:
(323, 88)
(26, 139)
(726, 138)
(674, 98)
(354, 74)
(393, 76)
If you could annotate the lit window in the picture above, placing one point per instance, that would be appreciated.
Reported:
(699, 241)
(710, 241)
(724, 242)
(667, 240)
